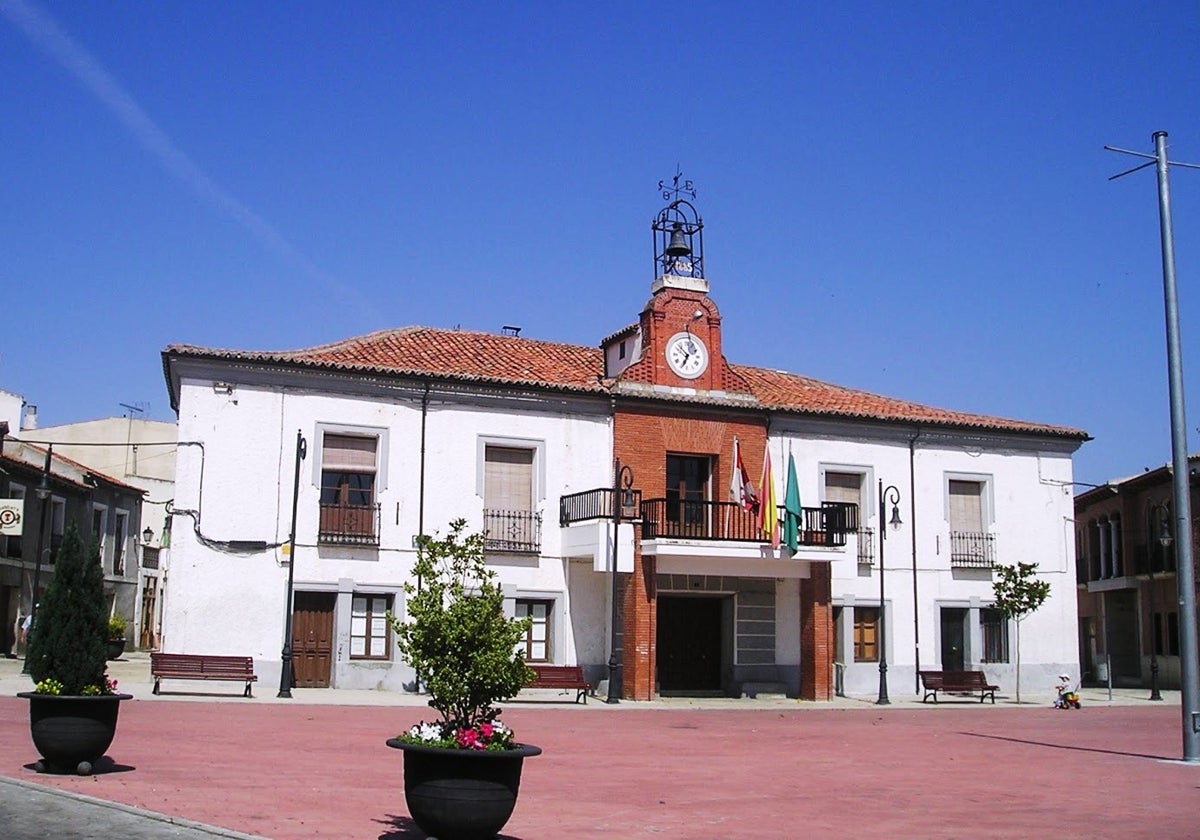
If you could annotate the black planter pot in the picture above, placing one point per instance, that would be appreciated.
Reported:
(72, 732)
(461, 794)
(115, 648)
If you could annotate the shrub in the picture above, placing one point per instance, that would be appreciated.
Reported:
(67, 643)
(116, 627)
(459, 642)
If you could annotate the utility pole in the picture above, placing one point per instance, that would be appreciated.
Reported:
(1185, 571)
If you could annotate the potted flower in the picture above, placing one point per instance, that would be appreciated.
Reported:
(461, 771)
(73, 707)
(115, 640)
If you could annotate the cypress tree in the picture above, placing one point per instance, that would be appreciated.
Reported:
(67, 643)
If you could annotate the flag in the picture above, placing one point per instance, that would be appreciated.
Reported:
(768, 509)
(792, 511)
(741, 491)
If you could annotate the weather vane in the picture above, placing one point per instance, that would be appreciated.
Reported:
(672, 192)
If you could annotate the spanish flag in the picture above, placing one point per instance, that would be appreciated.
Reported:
(768, 510)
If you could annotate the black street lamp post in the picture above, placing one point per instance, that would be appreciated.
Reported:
(285, 674)
(43, 494)
(1164, 539)
(622, 496)
(891, 494)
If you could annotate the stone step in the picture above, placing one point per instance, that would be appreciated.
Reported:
(764, 690)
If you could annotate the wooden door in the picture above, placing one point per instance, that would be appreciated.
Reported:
(689, 644)
(312, 639)
(953, 638)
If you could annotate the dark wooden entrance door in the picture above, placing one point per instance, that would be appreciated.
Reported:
(689, 644)
(954, 622)
(312, 638)
(1121, 632)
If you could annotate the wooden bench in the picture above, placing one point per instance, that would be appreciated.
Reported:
(958, 682)
(560, 676)
(193, 666)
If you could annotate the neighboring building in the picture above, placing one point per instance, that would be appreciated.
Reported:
(1128, 597)
(104, 508)
(140, 453)
(408, 429)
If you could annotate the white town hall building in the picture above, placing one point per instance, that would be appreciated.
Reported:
(406, 430)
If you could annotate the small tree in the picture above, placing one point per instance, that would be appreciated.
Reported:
(67, 643)
(457, 638)
(1018, 593)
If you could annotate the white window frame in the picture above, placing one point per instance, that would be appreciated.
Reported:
(389, 600)
(381, 450)
(551, 617)
(102, 537)
(538, 491)
(121, 520)
(986, 496)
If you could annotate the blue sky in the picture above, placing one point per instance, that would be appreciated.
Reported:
(911, 199)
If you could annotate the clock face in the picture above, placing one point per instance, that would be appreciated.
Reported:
(687, 355)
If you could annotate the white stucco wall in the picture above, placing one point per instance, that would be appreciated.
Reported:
(1030, 511)
(234, 602)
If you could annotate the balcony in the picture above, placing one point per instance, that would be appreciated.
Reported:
(349, 524)
(597, 504)
(512, 531)
(826, 525)
(1152, 557)
(972, 550)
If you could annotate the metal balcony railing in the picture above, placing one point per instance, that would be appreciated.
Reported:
(516, 531)
(597, 504)
(349, 524)
(730, 522)
(1152, 554)
(972, 550)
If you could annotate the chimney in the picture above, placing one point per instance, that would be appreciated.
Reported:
(29, 421)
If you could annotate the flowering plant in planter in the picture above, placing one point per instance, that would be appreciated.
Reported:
(460, 644)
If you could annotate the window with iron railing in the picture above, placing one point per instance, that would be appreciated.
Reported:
(866, 546)
(970, 550)
(518, 531)
(348, 524)
(994, 625)
(349, 510)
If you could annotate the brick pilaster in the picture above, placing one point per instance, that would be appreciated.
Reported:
(816, 635)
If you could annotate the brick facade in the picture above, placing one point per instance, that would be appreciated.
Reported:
(816, 635)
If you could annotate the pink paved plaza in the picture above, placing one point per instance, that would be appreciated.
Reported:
(298, 771)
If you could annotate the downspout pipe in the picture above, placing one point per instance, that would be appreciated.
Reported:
(912, 514)
(421, 487)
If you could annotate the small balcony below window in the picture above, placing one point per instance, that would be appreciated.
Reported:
(972, 550)
(343, 524)
(514, 531)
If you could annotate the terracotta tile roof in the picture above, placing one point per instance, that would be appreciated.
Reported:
(791, 392)
(510, 360)
(455, 354)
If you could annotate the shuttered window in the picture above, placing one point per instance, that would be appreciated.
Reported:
(866, 632)
(843, 487)
(508, 478)
(348, 470)
(966, 506)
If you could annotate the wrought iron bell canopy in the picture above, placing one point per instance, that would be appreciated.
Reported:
(678, 232)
